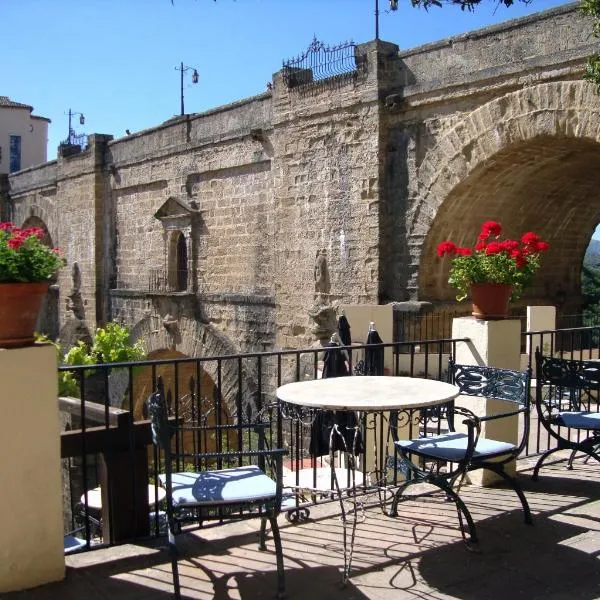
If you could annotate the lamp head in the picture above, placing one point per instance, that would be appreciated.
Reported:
(393, 4)
(195, 76)
(81, 120)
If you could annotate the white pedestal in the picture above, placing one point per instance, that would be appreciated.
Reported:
(495, 344)
(31, 516)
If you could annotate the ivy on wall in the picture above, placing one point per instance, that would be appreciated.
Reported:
(591, 8)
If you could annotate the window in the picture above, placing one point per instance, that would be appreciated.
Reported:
(15, 153)
(182, 264)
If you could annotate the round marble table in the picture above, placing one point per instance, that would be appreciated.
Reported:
(365, 394)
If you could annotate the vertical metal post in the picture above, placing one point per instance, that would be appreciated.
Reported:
(69, 136)
(376, 19)
(182, 110)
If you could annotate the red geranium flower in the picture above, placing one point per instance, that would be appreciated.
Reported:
(446, 247)
(464, 251)
(490, 228)
(530, 238)
(494, 248)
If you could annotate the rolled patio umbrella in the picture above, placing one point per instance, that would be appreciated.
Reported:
(344, 330)
(344, 336)
(374, 355)
(335, 365)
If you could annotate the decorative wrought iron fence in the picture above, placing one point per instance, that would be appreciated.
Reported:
(106, 446)
(581, 343)
(321, 62)
(161, 280)
(111, 469)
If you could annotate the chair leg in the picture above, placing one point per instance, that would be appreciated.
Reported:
(174, 567)
(518, 490)
(541, 460)
(461, 509)
(279, 555)
(262, 541)
(451, 495)
(571, 459)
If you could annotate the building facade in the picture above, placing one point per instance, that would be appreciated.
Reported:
(23, 136)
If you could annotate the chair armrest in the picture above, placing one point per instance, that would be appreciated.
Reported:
(503, 415)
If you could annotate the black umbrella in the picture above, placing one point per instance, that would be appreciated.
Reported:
(373, 355)
(335, 365)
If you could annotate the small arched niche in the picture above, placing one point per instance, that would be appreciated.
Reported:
(178, 262)
(177, 220)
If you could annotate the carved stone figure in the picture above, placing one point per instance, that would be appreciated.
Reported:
(75, 329)
(322, 283)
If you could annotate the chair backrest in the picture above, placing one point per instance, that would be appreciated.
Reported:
(565, 379)
(491, 382)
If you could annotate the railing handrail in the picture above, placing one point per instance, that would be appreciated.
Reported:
(246, 355)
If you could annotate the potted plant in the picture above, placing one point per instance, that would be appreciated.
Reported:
(27, 266)
(493, 270)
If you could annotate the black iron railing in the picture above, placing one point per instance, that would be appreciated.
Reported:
(164, 281)
(321, 62)
(581, 343)
(107, 438)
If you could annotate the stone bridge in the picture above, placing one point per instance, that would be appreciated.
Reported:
(205, 232)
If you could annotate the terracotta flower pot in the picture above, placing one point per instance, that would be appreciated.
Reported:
(20, 304)
(490, 300)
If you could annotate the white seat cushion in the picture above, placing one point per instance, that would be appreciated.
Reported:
(226, 486)
(323, 479)
(452, 447)
(579, 420)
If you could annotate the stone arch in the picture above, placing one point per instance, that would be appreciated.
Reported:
(200, 339)
(527, 154)
(48, 320)
(39, 214)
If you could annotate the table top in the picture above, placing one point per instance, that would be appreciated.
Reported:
(367, 393)
(95, 496)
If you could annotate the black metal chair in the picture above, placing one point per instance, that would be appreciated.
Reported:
(225, 494)
(564, 391)
(446, 458)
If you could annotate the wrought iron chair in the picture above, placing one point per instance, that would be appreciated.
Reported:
(241, 492)
(446, 458)
(564, 391)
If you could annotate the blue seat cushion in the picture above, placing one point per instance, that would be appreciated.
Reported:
(578, 420)
(72, 543)
(226, 486)
(453, 446)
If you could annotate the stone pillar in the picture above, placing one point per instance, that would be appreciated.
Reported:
(495, 344)
(540, 318)
(31, 516)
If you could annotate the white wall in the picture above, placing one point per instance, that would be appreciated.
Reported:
(33, 132)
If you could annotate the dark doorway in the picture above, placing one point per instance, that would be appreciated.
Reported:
(182, 264)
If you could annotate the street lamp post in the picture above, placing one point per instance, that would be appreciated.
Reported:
(71, 135)
(182, 69)
(393, 6)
